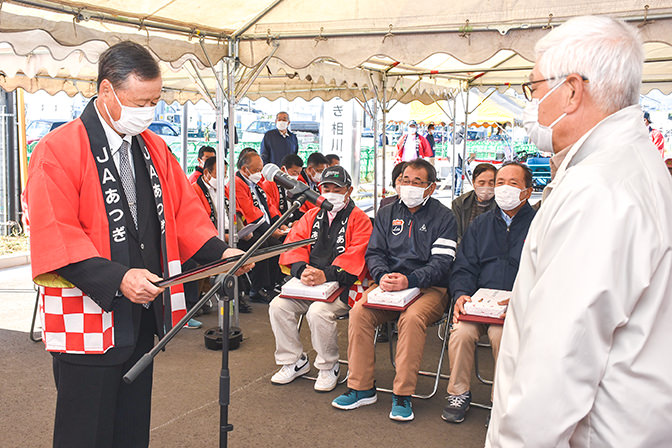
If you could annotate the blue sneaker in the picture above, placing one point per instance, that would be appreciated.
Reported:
(402, 410)
(193, 324)
(354, 399)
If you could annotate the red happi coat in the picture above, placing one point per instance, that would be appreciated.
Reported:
(69, 224)
(357, 235)
(245, 203)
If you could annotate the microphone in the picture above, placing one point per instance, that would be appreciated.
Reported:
(271, 172)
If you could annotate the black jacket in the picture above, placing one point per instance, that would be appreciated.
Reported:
(489, 254)
(420, 245)
(462, 207)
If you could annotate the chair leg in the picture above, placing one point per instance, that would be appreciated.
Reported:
(31, 335)
(443, 337)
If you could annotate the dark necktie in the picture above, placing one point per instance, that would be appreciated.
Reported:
(127, 180)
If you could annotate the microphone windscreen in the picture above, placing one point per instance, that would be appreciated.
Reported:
(269, 170)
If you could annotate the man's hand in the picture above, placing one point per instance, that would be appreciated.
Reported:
(503, 302)
(393, 282)
(231, 252)
(312, 276)
(137, 286)
(459, 307)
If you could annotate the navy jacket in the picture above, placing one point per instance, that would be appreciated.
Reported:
(420, 245)
(274, 147)
(489, 254)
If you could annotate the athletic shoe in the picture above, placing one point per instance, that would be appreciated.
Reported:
(457, 407)
(402, 409)
(354, 399)
(193, 324)
(289, 373)
(327, 379)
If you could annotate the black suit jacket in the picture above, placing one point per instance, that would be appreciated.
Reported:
(100, 278)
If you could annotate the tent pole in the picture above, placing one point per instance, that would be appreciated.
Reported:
(466, 136)
(452, 190)
(185, 124)
(383, 141)
(375, 154)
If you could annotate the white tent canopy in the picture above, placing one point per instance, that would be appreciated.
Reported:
(490, 44)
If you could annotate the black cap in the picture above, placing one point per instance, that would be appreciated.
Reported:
(647, 117)
(336, 175)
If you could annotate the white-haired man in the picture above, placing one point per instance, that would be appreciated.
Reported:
(584, 359)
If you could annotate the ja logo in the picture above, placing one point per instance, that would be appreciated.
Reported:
(397, 226)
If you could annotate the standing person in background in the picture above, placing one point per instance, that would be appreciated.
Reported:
(476, 202)
(656, 136)
(431, 141)
(585, 354)
(204, 153)
(279, 142)
(412, 145)
(333, 159)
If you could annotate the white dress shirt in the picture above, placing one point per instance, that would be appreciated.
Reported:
(115, 140)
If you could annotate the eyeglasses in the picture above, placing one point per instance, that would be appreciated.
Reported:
(415, 183)
(527, 86)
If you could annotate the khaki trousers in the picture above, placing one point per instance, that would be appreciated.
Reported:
(321, 316)
(412, 326)
(461, 351)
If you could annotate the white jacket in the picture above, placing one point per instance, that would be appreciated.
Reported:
(585, 358)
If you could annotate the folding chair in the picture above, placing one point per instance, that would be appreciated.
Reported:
(478, 374)
(32, 335)
(444, 322)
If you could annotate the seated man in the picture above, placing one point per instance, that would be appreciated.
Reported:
(488, 257)
(333, 159)
(204, 153)
(469, 205)
(412, 245)
(252, 204)
(338, 255)
(311, 175)
(292, 165)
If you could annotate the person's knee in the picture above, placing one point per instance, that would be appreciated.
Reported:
(464, 333)
(318, 311)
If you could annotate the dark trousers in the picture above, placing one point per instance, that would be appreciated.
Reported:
(95, 408)
(266, 273)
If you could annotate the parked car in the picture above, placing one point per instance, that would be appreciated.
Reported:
(166, 131)
(256, 130)
(39, 128)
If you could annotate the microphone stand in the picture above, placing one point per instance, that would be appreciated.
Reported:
(225, 284)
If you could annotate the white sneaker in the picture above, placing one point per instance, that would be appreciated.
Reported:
(327, 380)
(289, 373)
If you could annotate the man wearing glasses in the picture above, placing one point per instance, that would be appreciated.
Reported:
(412, 245)
(584, 358)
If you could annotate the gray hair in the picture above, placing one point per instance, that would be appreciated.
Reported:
(608, 52)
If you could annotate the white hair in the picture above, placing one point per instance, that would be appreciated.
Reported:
(606, 51)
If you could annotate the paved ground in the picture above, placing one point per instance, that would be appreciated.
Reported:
(185, 402)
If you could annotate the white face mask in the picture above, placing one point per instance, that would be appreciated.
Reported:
(281, 125)
(507, 197)
(336, 199)
(287, 173)
(484, 193)
(413, 196)
(412, 131)
(133, 120)
(256, 177)
(541, 136)
(317, 177)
